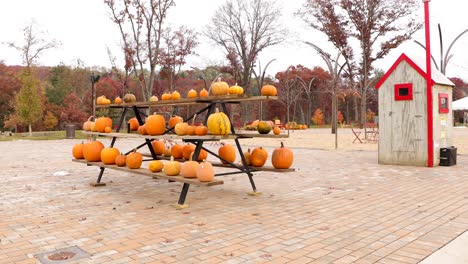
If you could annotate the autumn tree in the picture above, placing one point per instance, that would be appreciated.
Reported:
(377, 25)
(9, 85)
(28, 106)
(176, 47)
(141, 25)
(244, 28)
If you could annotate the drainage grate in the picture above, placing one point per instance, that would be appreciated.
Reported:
(62, 255)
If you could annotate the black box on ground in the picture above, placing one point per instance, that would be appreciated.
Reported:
(448, 156)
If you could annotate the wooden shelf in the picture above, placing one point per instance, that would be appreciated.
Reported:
(187, 138)
(147, 172)
(192, 101)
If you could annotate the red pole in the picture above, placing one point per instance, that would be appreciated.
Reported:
(430, 127)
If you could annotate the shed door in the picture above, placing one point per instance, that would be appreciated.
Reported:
(404, 128)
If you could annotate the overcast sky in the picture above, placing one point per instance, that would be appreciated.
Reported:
(85, 31)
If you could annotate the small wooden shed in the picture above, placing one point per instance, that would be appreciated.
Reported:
(403, 114)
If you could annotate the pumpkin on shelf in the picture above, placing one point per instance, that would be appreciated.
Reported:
(172, 167)
(201, 130)
(118, 100)
(77, 151)
(155, 166)
(155, 125)
(191, 128)
(205, 171)
(189, 168)
(133, 124)
(282, 157)
(166, 96)
(181, 129)
(121, 160)
(175, 95)
(268, 90)
(258, 157)
(92, 150)
(153, 98)
(204, 93)
(107, 129)
(129, 98)
(220, 88)
(88, 125)
(235, 89)
(174, 120)
(247, 157)
(167, 152)
(218, 123)
(108, 155)
(101, 124)
(134, 160)
(276, 130)
(227, 152)
(189, 149)
(102, 100)
(142, 130)
(263, 127)
(158, 147)
(177, 151)
(192, 93)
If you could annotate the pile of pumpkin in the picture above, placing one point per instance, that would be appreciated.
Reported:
(263, 127)
(218, 88)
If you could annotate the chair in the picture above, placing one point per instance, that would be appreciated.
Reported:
(356, 133)
(371, 132)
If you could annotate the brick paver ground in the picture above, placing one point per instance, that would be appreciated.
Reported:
(339, 207)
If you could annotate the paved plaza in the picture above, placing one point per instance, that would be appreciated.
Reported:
(340, 206)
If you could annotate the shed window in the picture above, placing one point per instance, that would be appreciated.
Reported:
(443, 103)
(403, 91)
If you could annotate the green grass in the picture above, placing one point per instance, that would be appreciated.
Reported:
(47, 135)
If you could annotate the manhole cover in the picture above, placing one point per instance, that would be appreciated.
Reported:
(62, 256)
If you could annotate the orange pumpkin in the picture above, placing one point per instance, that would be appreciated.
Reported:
(276, 130)
(205, 172)
(155, 125)
(177, 151)
(192, 93)
(282, 157)
(121, 160)
(142, 130)
(133, 123)
(158, 147)
(258, 157)
(175, 95)
(187, 151)
(87, 126)
(108, 155)
(77, 151)
(181, 128)
(155, 166)
(107, 129)
(269, 90)
(190, 131)
(227, 152)
(102, 123)
(134, 160)
(172, 167)
(174, 121)
(167, 152)
(201, 130)
(189, 168)
(247, 156)
(220, 88)
(92, 150)
(166, 96)
(117, 100)
(204, 93)
(235, 89)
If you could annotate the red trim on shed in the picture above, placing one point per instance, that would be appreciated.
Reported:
(397, 62)
(404, 92)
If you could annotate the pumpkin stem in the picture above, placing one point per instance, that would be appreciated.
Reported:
(193, 119)
(172, 158)
(217, 110)
(282, 145)
(191, 155)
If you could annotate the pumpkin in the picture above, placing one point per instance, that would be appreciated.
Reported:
(92, 150)
(172, 167)
(107, 129)
(235, 89)
(227, 152)
(204, 93)
(153, 98)
(129, 98)
(88, 124)
(220, 88)
(201, 130)
(108, 155)
(167, 152)
(181, 128)
(258, 157)
(158, 147)
(189, 168)
(175, 95)
(205, 172)
(166, 96)
(77, 151)
(121, 160)
(282, 157)
(192, 93)
(218, 123)
(268, 90)
(101, 124)
(155, 125)
(263, 127)
(134, 160)
(177, 151)
(133, 123)
(174, 121)
(190, 131)
(187, 151)
(247, 157)
(276, 130)
(155, 166)
(102, 100)
(142, 130)
(118, 100)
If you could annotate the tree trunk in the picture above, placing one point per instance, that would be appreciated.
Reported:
(30, 130)
(334, 114)
(356, 109)
(363, 108)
